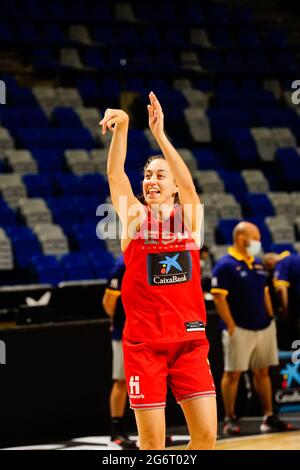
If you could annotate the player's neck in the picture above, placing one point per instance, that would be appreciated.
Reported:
(161, 212)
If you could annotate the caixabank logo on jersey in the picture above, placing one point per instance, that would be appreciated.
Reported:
(169, 268)
(287, 395)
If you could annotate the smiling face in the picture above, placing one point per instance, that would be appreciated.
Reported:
(158, 185)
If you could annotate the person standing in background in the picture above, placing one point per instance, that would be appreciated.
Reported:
(249, 338)
(113, 307)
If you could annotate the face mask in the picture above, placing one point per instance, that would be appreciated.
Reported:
(253, 248)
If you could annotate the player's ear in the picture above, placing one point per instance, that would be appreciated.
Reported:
(175, 191)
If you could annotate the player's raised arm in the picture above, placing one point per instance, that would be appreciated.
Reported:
(117, 121)
(187, 192)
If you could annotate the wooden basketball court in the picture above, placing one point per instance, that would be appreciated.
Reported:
(275, 441)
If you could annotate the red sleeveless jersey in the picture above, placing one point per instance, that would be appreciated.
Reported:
(161, 289)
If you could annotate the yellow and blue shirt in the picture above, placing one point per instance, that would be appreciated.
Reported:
(243, 282)
(287, 273)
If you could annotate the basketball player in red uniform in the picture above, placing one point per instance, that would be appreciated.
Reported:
(164, 338)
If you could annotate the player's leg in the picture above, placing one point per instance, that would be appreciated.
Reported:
(151, 428)
(146, 374)
(193, 386)
(201, 418)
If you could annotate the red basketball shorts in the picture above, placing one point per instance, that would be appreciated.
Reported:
(149, 368)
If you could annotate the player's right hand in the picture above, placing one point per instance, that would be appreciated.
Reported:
(112, 119)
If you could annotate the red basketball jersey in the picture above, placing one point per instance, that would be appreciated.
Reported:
(161, 288)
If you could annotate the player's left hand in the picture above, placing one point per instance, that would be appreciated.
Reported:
(155, 115)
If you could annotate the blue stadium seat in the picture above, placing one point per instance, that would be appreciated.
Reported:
(102, 34)
(31, 9)
(145, 10)
(217, 13)
(244, 146)
(44, 58)
(135, 178)
(94, 185)
(224, 119)
(57, 139)
(276, 38)
(78, 12)
(69, 184)
(9, 9)
(38, 185)
(88, 89)
(141, 61)
(224, 231)
(242, 15)
(22, 97)
(174, 37)
(14, 118)
(221, 38)
(49, 161)
(150, 36)
(166, 12)
(167, 60)
(86, 207)
(100, 11)
(7, 215)
(126, 35)
(192, 14)
(92, 57)
(207, 159)
(138, 140)
(135, 84)
(6, 35)
(64, 212)
(249, 38)
(25, 244)
(110, 88)
(280, 118)
(46, 269)
(27, 33)
(102, 261)
(235, 184)
(77, 267)
(83, 237)
(289, 161)
(55, 10)
(259, 205)
(65, 117)
(53, 34)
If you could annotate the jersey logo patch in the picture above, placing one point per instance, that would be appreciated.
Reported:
(194, 326)
(169, 268)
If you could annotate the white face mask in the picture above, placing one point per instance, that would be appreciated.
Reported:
(254, 247)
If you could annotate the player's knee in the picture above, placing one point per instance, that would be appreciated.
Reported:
(205, 439)
(152, 443)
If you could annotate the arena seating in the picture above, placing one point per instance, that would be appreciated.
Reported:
(222, 72)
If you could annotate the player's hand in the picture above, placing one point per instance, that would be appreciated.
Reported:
(113, 118)
(155, 115)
